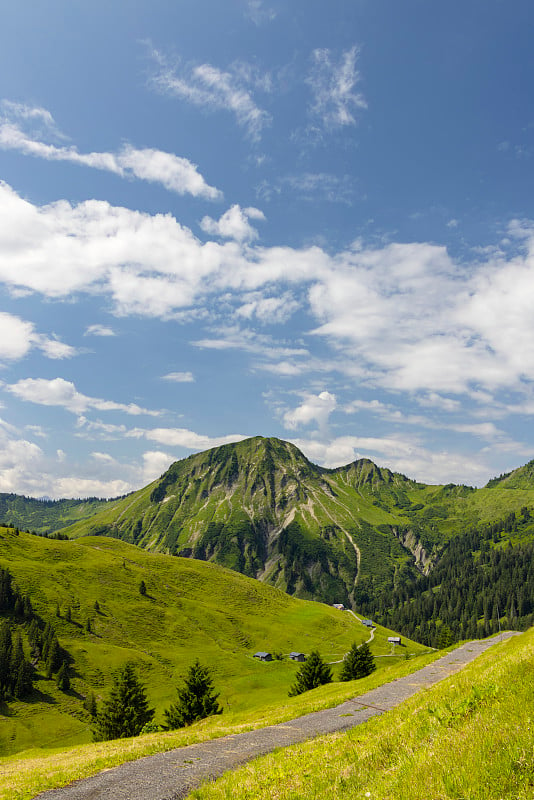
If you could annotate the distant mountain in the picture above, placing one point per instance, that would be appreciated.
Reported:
(44, 515)
(262, 508)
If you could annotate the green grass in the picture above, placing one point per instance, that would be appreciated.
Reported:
(192, 609)
(470, 737)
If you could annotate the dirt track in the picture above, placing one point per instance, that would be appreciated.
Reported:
(172, 775)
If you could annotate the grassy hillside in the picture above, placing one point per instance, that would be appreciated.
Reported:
(47, 516)
(469, 737)
(192, 609)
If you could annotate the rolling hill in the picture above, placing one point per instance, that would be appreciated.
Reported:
(191, 609)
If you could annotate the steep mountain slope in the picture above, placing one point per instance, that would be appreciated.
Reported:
(262, 508)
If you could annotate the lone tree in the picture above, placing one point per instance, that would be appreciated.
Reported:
(358, 663)
(314, 672)
(142, 588)
(196, 699)
(126, 710)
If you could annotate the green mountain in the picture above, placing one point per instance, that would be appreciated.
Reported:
(262, 508)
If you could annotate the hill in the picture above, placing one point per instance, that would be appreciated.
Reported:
(262, 508)
(191, 609)
(47, 516)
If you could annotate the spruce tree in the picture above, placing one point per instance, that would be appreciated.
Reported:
(358, 663)
(314, 672)
(196, 699)
(90, 705)
(126, 710)
(62, 677)
(6, 647)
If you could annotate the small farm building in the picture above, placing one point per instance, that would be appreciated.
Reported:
(339, 605)
(368, 622)
(263, 656)
(394, 639)
(297, 656)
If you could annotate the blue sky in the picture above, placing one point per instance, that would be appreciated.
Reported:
(309, 219)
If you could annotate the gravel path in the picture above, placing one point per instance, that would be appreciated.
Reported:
(172, 775)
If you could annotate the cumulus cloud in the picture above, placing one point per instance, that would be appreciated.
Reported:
(314, 408)
(402, 317)
(214, 89)
(336, 101)
(175, 173)
(403, 455)
(59, 392)
(269, 310)
(155, 463)
(234, 224)
(18, 337)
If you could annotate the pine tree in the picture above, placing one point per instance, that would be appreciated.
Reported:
(358, 663)
(142, 588)
(126, 710)
(90, 705)
(196, 699)
(6, 647)
(62, 677)
(314, 672)
(23, 684)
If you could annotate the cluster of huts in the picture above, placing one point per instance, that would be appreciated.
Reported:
(294, 656)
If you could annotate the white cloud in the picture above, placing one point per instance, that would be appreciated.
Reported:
(155, 463)
(269, 310)
(179, 377)
(175, 173)
(99, 330)
(401, 455)
(314, 408)
(18, 337)
(207, 86)
(403, 317)
(59, 392)
(333, 85)
(182, 437)
(234, 224)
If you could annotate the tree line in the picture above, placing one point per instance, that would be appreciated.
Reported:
(20, 622)
(482, 581)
